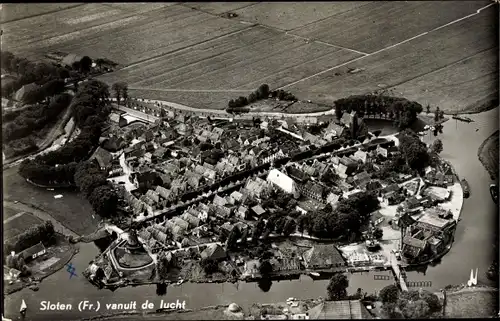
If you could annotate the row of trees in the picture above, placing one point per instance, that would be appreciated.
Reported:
(33, 235)
(263, 92)
(30, 72)
(409, 304)
(90, 110)
(401, 110)
(121, 91)
(36, 118)
(343, 221)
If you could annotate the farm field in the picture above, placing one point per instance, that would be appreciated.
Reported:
(124, 36)
(287, 16)
(467, 85)
(406, 62)
(218, 7)
(16, 11)
(370, 27)
(20, 224)
(264, 55)
(187, 53)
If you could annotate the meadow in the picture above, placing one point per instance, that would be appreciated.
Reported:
(436, 52)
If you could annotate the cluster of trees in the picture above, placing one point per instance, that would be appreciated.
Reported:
(209, 266)
(412, 304)
(30, 72)
(17, 262)
(343, 221)
(401, 110)
(90, 110)
(35, 118)
(163, 265)
(263, 92)
(413, 150)
(121, 91)
(283, 95)
(35, 234)
(93, 185)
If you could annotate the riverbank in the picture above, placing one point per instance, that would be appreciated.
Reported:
(57, 257)
(488, 155)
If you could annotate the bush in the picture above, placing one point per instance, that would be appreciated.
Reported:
(39, 233)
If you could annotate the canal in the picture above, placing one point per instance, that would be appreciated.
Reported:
(473, 248)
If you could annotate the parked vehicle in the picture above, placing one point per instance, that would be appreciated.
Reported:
(465, 187)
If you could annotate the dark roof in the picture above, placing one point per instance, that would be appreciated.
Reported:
(323, 255)
(32, 250)
(214, 252)
(346, 309)
(102, 156)
(314, 188)
(406, 220)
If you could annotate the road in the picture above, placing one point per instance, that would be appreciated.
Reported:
(223, 112)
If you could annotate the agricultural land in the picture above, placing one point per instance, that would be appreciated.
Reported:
(224, 50)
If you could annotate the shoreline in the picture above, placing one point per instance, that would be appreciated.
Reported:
(61, 263)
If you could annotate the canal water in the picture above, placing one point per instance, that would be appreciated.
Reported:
(473, 248)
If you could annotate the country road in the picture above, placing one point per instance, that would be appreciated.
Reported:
(223, 112)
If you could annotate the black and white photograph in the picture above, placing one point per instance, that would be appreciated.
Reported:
(250, 160)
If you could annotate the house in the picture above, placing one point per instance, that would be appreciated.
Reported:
(332, 199)
(361, 179)
(25, 91)
(70, 59)
(258, 211)
(33, 252)
(381, 151)
(413, 247)
(193, 221)
(434, 224)
(219, 201)
(335, 130)
(438, 194)
(377, 218)
(361, 156)
(312, 190)
(336, 310)
(236, 196)
(323, 256)
(103, 158)
(281, 180)
(242, 212)
(297, 175)
(348, 118)
(213, 252)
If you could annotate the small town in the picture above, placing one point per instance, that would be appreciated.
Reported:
(249, 161)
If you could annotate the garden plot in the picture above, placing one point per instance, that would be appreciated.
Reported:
(370, 27)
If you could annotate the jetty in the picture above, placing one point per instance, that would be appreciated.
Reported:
(396, 270)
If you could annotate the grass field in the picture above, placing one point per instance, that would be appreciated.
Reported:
(488, 155)
(73, 211)
(406, 62)
(20, 224)
(430, 51)
(469, 303)
(17, 11)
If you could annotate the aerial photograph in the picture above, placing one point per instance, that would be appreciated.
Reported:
(250, 160)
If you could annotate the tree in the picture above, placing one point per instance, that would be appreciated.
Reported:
(436, 114)
(265, 268)
(265, 284)
(437, 146)
(125, 92)
(85, 64)
(414, 309)
(389, 294)
(428, 109)
(289, 227)
(233, 238)
(302, 223)
(117, 87)
(378, 233)
(104, 200)
(258, 230)
(91, 182)
(263, 91)
(337, 288)
(209, 266)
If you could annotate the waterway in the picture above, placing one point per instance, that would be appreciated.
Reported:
(472, 249)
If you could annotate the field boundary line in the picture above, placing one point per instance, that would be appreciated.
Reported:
(183, 48)
(437, 70)
(308, 40)
(190, 90)
(44, 13)
(386, 48)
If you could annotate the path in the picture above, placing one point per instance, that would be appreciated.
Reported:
(41, 215)
(397, 273)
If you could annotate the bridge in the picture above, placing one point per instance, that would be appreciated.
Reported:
(395, 266)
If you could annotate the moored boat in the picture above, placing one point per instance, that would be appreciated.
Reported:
(494, 192)
(465, 188)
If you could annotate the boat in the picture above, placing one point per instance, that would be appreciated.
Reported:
(24, 307)
(494, 192)
(372, 244)
(462, 118)
(314, 274)
(465, 187)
